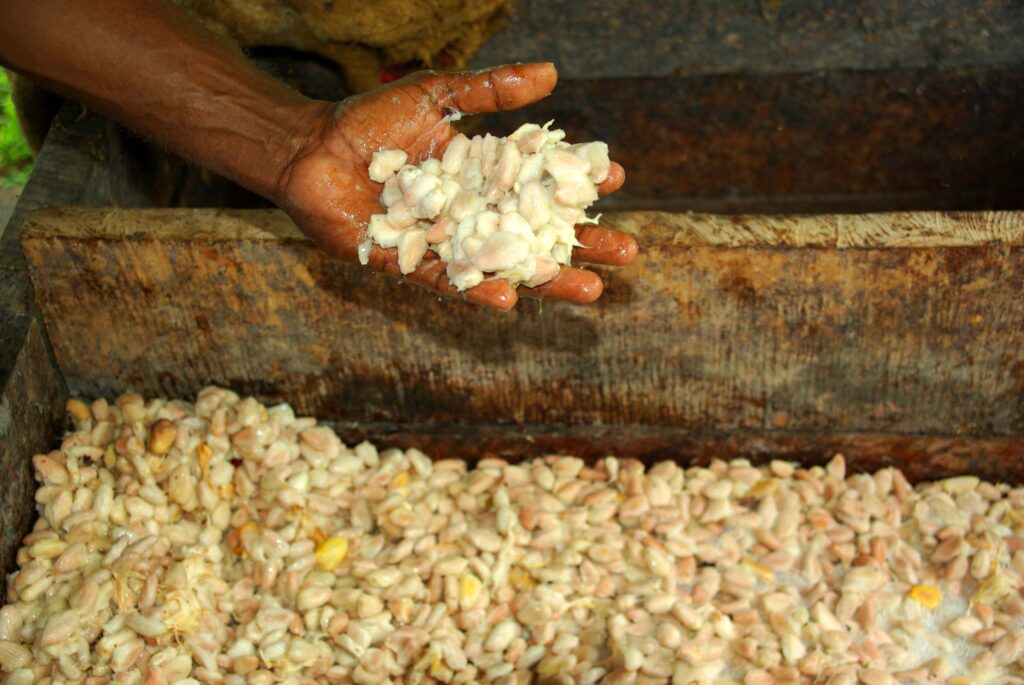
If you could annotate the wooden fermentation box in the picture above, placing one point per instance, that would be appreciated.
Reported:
(832, 260)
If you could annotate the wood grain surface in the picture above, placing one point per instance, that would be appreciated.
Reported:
(920, 457)
(31, 418)
(884, 325)
(893, 338)
(613, 39)
(80, 163)
(808, 142)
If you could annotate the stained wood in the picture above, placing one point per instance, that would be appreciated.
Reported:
(86, 160)
(885, 337)
(940, 138)
(614, 39)
(82, 162)
(920, 457)
(814, 142)
(31, 416)
(937, 138)
(892, 324)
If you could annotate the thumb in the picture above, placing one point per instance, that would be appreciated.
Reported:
(491, 90)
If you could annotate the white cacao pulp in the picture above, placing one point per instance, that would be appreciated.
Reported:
(490, 207)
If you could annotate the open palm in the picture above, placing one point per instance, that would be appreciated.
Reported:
(328, 192)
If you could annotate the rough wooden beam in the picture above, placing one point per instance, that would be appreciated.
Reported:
(896, 324)
(819, 141)
(31, 416)
(85, 162)
(613, 39)
(816, 141)
(920, 457)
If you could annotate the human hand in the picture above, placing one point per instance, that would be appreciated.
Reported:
(326, 188)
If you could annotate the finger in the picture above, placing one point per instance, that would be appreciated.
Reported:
(494, 293)
(616, 177)
(604, 246)
(572, 285)
(431, 273)
(493, 90)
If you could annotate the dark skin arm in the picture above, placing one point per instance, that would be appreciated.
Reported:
(154, 68)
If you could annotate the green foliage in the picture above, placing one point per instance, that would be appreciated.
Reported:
(15, 157)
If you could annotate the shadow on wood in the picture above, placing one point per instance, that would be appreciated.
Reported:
(791, 329)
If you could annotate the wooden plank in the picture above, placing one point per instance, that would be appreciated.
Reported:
(31, 416)
(820, 142)
(613, 39)
(84, 161)
(828, 324)
(920, 457)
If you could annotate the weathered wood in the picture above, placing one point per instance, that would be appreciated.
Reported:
(890, 337)
(88, 161)
(84, 161)
(821, 142)
(896, 325)
(614, 39)
(920, 457)
(31, 416)
(834, 141)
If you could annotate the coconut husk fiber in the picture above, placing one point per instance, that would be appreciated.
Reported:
(361, 36)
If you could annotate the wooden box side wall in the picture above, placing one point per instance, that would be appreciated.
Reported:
(781, 334)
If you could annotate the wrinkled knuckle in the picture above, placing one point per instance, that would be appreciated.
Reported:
(495, 89)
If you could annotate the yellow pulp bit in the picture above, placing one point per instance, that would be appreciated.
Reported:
(765, 487)
(520, 579)
(205, 454)
(926, 595)
(759, 569)
(469, 590)
(331, 552)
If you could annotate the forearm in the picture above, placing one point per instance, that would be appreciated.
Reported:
(151, 66)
